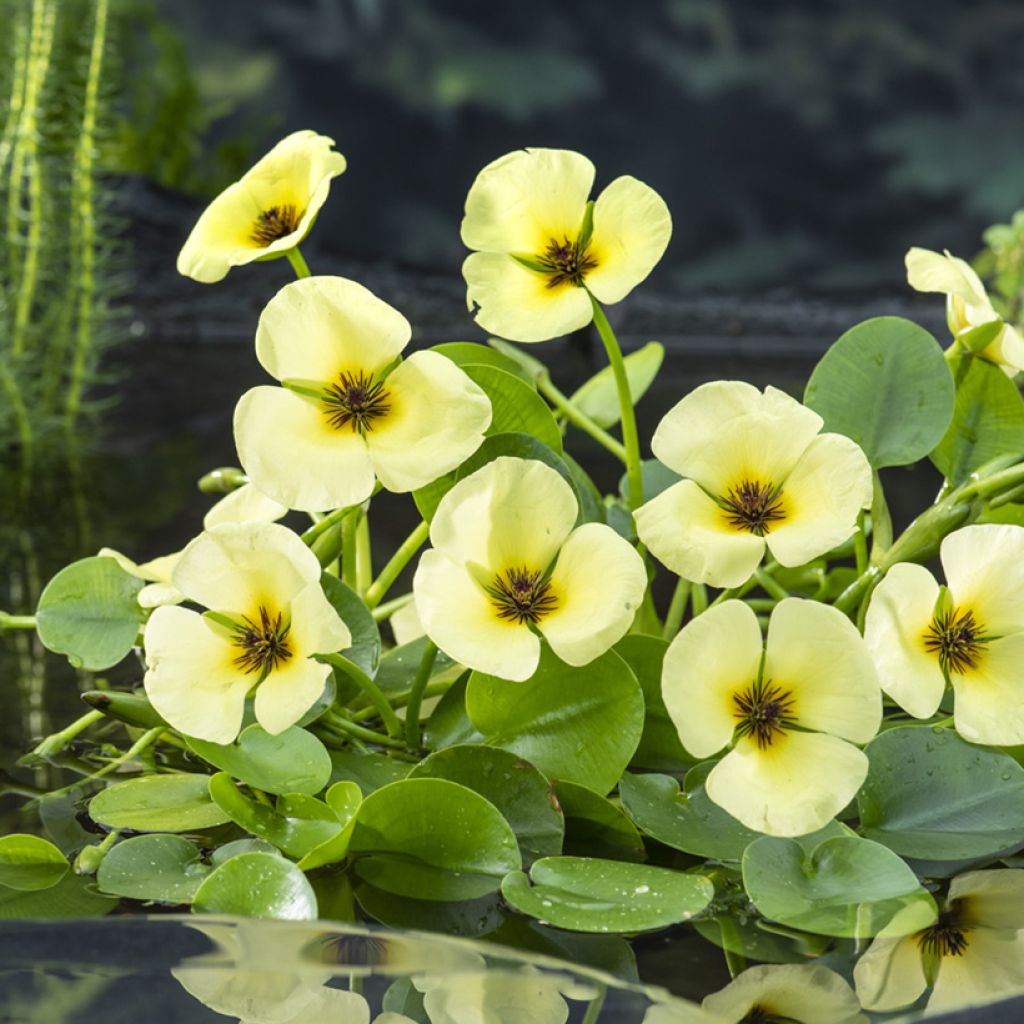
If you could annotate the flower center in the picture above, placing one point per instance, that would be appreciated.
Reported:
(948, 936)
(566, 262)
(521, 595)
(763, 711)
(263, 643)
(753, 506)
(356, 401)
(759, 1015)
(957, 638)
(275, 223)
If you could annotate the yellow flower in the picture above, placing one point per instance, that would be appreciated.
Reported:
(971, 634)
(268, 211)
(759, 474)
(801, 993)
(974, 953)
(348, 415)
(244, 504)
(967, 304)
(268, 618)
(790, 711)
(542, 247)
(507, 567)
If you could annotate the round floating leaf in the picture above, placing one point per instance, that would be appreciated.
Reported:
(517, 445)
(432, 839)
(365, 649)
(158, 803)
(686, 821)
(933, 796)
(90, 612)
(294, 761)
(344, 799)
(157, 867)
(470, 353)
(29, 863)
(884, 384)
(515, 406)
(580, 724)
(257, 885)
(449, 724)
(988, 421)
(598, 398)
(595, 827)
(586, 894)
(238, 846)
(522, 795)
(845, 886)
(369, 771)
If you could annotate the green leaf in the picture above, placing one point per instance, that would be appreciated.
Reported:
(515, 406)
(432, 839)
(89, 611)
(72, 897)
(846, 886)
(257, 885)
(294, 761)
(534, 367)
(297, 825)
(237, 846)
(655, 477)
(686, 821)
(598, 398)
(158, 803)
(522, 795)
(518, 445)
(988, 421)
(884, 384)
(659, 747)
(449, 724)
(469, 353)
(365, 649)
(344, 799)
(595, 827)
(933, 796)
(399, 665)
(156, 867)
(29, 863)
(586, 894)
(369, 771)
(468, 918)
(580, 724)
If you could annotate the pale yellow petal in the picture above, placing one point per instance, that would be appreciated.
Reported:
(155, 594)
(245, 504)
(598, 582)
(510, 514)
(890, 974)
(516, 303)
(289, 692)
(525, 199)
(726, 433)
(631, 229)
(316, 628)
(796, 785)
(991, 968)
(317, 328)
(291, 452)
(816, 653)
(460, 618)
(237, 566)
(821, 499)
(715, 656)
(991, 899)
(901, 610)
(191, 679)
(222, 237)
(687, 531)
(436, 419)
(929, 271)
(984, 567)
(1006, 350)
(988, 703)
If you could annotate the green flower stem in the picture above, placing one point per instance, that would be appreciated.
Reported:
(860, 544)
(317, 530)
(57, 741)
(676, 610)
(596, 1006)
(413, 736)
(733, 960)
(146, 740)
(699, 599)
(399, 560)
(364, 554)
(342, 729)
(762, 604)
(630, 438)
(388, 608)
(580, 419)
(744, 588)
(9, 621)
(299, 265)
(400, 700)
(349, 526)
(90, 857)
(769, 585)
(373, 692)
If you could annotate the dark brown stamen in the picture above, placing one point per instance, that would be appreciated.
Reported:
(264, 644)
(956, 638)
(764, 711)
(522, 596)
(948, 936)
(758, 1015)
(275, 223)
(566, 262)
(356, 401)
(754, 506)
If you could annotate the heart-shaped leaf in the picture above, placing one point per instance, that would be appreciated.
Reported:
(158, 803)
